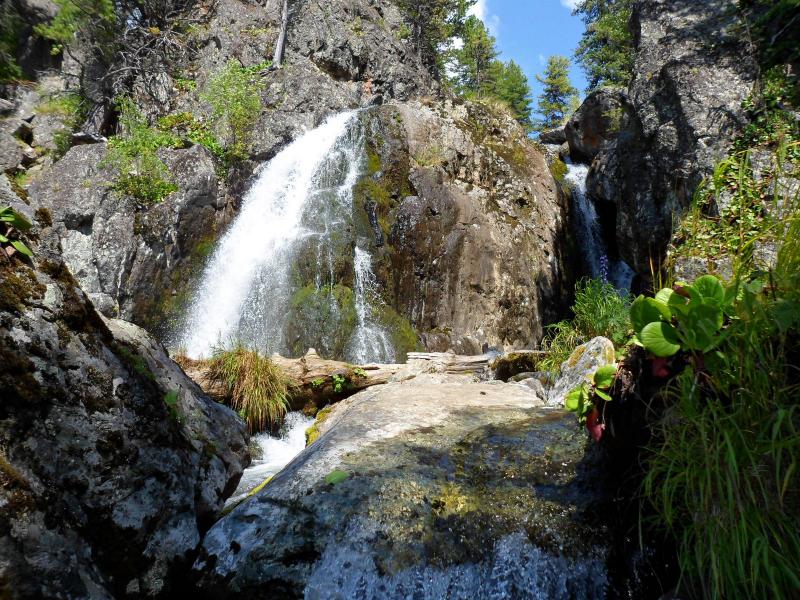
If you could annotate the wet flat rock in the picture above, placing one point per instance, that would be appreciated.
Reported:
(438, 487)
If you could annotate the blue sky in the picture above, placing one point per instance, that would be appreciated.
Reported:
(528, 31)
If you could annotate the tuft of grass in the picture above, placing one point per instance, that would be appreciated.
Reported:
(258, 388)
(599, 310)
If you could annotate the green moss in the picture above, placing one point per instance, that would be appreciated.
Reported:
(558, 169)
(323, 318)
(405, 338)
(312, 433)
(134, 360)
(18, 289)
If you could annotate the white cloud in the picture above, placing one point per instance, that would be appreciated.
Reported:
(570, 4)
(481, 10)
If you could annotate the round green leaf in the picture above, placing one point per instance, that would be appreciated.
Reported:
(335, 477)
(648, 310)
(664, 295)
(660, 339)
(603, 395)
(604, 376)
(711, 289)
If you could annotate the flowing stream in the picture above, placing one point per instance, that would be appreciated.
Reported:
(590, 233)
(294, 241)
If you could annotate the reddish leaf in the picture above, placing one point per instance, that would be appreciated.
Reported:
(595, 428)
(660, 367)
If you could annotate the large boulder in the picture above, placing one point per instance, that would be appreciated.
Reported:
(112, 462)
(596, 124)
(692, 72)
(438, 486)
(580, 368)
(469, 227)
(134, 260)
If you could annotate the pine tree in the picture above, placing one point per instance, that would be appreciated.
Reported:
(473, 61)
(606, 49)
(512, 88)
(555, 100)
(434, 23)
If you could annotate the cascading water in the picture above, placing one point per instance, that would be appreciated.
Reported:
(590, 233)
(291, 248)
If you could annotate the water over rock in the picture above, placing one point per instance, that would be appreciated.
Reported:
(692, 72)
(438, 487)
(112, 462)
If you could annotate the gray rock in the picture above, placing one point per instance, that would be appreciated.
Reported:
(113, 462)
(446, 487)
(10, 153)
(580, 367)
(596, 124)
(692, 72)
(132, 260)
(535, 385)
(6, 106)
(553, 136)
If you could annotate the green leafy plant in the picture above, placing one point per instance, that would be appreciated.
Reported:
(599, 310)
(359, 372)
(235, 98)
(317, 382)
(185, 126)
(339, 383)
(173, 405)
(336, 477)
(586, 400)
(257, 388)
(11, 225)
(134, 154)
(687, 318)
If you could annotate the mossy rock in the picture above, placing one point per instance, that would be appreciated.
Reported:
(322, 318)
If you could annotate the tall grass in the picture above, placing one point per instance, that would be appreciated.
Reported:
(723, 471)
(599, 310)
(258, 388)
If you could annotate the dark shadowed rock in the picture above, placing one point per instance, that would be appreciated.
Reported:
(693, 70)
(439, 485)
(112, 462)
(596, 124)
(553, 136)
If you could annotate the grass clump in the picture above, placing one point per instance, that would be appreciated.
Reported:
(234, 94)
(134, 154)
(257, 387)
(599, 310)
(722, 474)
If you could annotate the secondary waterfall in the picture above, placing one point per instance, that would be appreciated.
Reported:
(282, 269)
(590, 233)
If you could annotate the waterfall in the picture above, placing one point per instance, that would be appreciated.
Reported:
(590, 233)
(283, 264)
(370, 339)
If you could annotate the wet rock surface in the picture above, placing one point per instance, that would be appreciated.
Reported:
(438, 485)
(112, 462)
(693, 70)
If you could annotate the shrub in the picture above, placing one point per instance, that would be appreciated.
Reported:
(196, 131)
(134, 154)
(235, 98)
(258, 388)
(599, 310)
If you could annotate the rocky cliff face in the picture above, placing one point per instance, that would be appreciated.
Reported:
(469, 224)
(693, 70)
(112, 462)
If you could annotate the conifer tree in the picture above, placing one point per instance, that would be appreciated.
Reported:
(605, 51)
(512, 88)
(556, 98)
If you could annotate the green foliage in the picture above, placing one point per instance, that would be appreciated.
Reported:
(10, 25)
(606, 49)
(558, 168)
(599, 310)
(173, 406)
(134, 154)
(71, 109)
(11, 225)
(184, 125)
(258, 389)
(336, 477)
(775, 26)
(478, 74)
(688, 318)
(433, 25)
(582, 400)
(555, 99)
(771, 108)
(340, 383)
(235, 98)
(95, 19)
(723, 475)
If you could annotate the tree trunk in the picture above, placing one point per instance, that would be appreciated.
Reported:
(278, 57)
